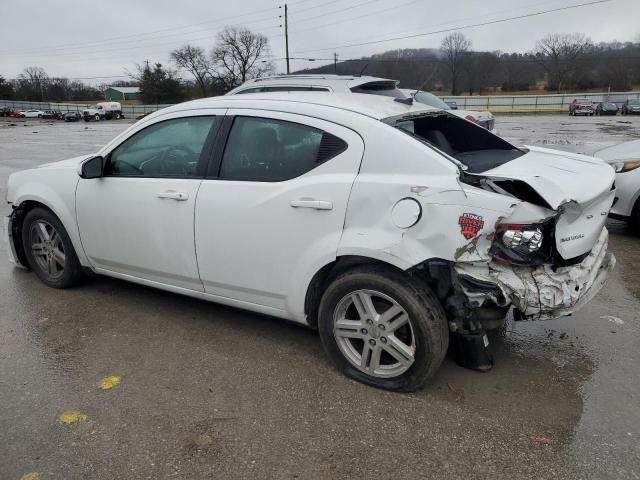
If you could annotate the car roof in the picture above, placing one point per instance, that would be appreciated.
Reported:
(374, 106)
(334, 81)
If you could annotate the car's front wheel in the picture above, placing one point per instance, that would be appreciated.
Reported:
(49, 250)
(383, 328)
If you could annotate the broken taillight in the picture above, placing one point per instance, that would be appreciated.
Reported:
(519, 244)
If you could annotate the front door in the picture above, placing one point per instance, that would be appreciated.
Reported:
(273, 208)
(137, 220)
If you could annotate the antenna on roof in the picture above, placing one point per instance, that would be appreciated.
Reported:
(424, 83)
(363, 69)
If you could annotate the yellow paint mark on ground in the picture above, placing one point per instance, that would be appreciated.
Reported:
(72, 417)
(30, 476)
(109, 382)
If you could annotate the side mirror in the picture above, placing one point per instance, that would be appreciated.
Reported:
(92, 168)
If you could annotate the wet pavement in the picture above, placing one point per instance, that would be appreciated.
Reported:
(207, 391)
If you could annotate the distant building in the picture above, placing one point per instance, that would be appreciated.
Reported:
(115, 94)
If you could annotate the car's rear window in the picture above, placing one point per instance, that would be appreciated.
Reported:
(473, 146)
(384, 88)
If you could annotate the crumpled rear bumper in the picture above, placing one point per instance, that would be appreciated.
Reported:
(539, 293)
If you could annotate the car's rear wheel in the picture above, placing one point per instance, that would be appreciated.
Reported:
(96, 117)
(49, 250)
(383, 328)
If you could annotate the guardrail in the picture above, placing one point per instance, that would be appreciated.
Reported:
(536, 103)
(130, 111)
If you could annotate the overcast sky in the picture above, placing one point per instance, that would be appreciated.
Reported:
(89, 38)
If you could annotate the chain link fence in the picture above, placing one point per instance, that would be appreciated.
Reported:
(536, 103)
(493, 103)
(129, 111)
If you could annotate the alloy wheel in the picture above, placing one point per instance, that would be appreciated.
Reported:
(374, 333)
(47, 248)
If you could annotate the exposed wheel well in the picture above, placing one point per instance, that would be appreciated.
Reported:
(326, 274)
(16, 226)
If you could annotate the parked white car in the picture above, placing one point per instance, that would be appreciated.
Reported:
(484, 119)
(625, 160)
(321, 83)
(32, 114)
(386, 226)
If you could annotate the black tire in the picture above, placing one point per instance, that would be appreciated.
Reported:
(428, 325)
(71, 269)
(96, 117)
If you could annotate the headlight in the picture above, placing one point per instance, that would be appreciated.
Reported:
(621, 167)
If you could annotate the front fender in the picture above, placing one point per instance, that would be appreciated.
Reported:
(57, 193)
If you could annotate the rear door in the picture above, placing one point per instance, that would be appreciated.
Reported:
(273, 205)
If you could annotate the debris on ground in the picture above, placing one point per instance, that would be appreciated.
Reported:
(109, 382)
(613, 319)
(72, 416)
(541, 439)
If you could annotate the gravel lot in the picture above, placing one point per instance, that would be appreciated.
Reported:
(208, 391)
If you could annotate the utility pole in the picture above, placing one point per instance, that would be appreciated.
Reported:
(286, 34)
(335, 63)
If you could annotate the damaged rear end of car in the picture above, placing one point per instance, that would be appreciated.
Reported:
(524, 228)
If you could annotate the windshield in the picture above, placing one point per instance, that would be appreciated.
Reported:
(473, 146)
(634, 102)
(431, 100)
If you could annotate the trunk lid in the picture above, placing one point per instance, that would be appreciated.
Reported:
(578, 187)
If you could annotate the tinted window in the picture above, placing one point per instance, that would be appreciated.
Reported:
(284, 88)
(267, 150)
(384, 88)
(167, 149)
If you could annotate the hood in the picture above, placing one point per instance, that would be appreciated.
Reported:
(622, 151)
(69, 163)
(558, 177)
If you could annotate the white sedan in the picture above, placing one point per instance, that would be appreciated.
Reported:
(386, 226)
(625, 160)
(32, 114)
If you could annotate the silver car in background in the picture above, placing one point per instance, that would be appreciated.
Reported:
(484, 119)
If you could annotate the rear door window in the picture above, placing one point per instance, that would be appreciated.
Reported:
(269, 150)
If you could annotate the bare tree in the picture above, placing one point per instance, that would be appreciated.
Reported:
(34, 80)
(195, 61)
(454, 48)
(558, 54)
(240, 55)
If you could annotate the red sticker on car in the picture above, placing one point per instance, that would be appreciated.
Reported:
(470, 225)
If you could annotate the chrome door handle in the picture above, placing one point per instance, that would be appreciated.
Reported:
(312, 203)
(173, 195)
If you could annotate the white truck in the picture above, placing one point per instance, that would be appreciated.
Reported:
(103, 111)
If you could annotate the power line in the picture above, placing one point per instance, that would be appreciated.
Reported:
(324, 4)
(108, 40)
(137, 42)
(357, 5)
(446, 30)
(324, 25)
